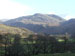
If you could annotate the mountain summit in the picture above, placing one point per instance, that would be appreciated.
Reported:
(39, 19)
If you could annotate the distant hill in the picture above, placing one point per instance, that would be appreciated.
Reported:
(36, 22)
(69, 26)
(14, 30)
(39, 19)
(44, 23)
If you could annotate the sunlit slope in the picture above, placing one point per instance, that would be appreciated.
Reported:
(14, 30)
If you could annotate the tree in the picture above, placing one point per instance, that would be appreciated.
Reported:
(17, 48)
(52, 44)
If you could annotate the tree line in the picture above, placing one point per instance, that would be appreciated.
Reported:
(15, 45)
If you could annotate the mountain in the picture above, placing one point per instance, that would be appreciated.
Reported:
(44, 23)
(69, 27)
(36, 22)
(39, 19)
(14, 30)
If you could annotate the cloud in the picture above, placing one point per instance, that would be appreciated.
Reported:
(10, 9)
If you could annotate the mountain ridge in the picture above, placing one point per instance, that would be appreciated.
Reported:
(36, 19)
(44, 23)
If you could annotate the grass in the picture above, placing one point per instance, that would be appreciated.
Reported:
(61, 40)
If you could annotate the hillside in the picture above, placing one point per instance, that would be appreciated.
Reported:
(36, 22)
(69, 27)
(44, 23)
(14, 30)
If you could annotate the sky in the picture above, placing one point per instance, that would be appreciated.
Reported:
(10, 9)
